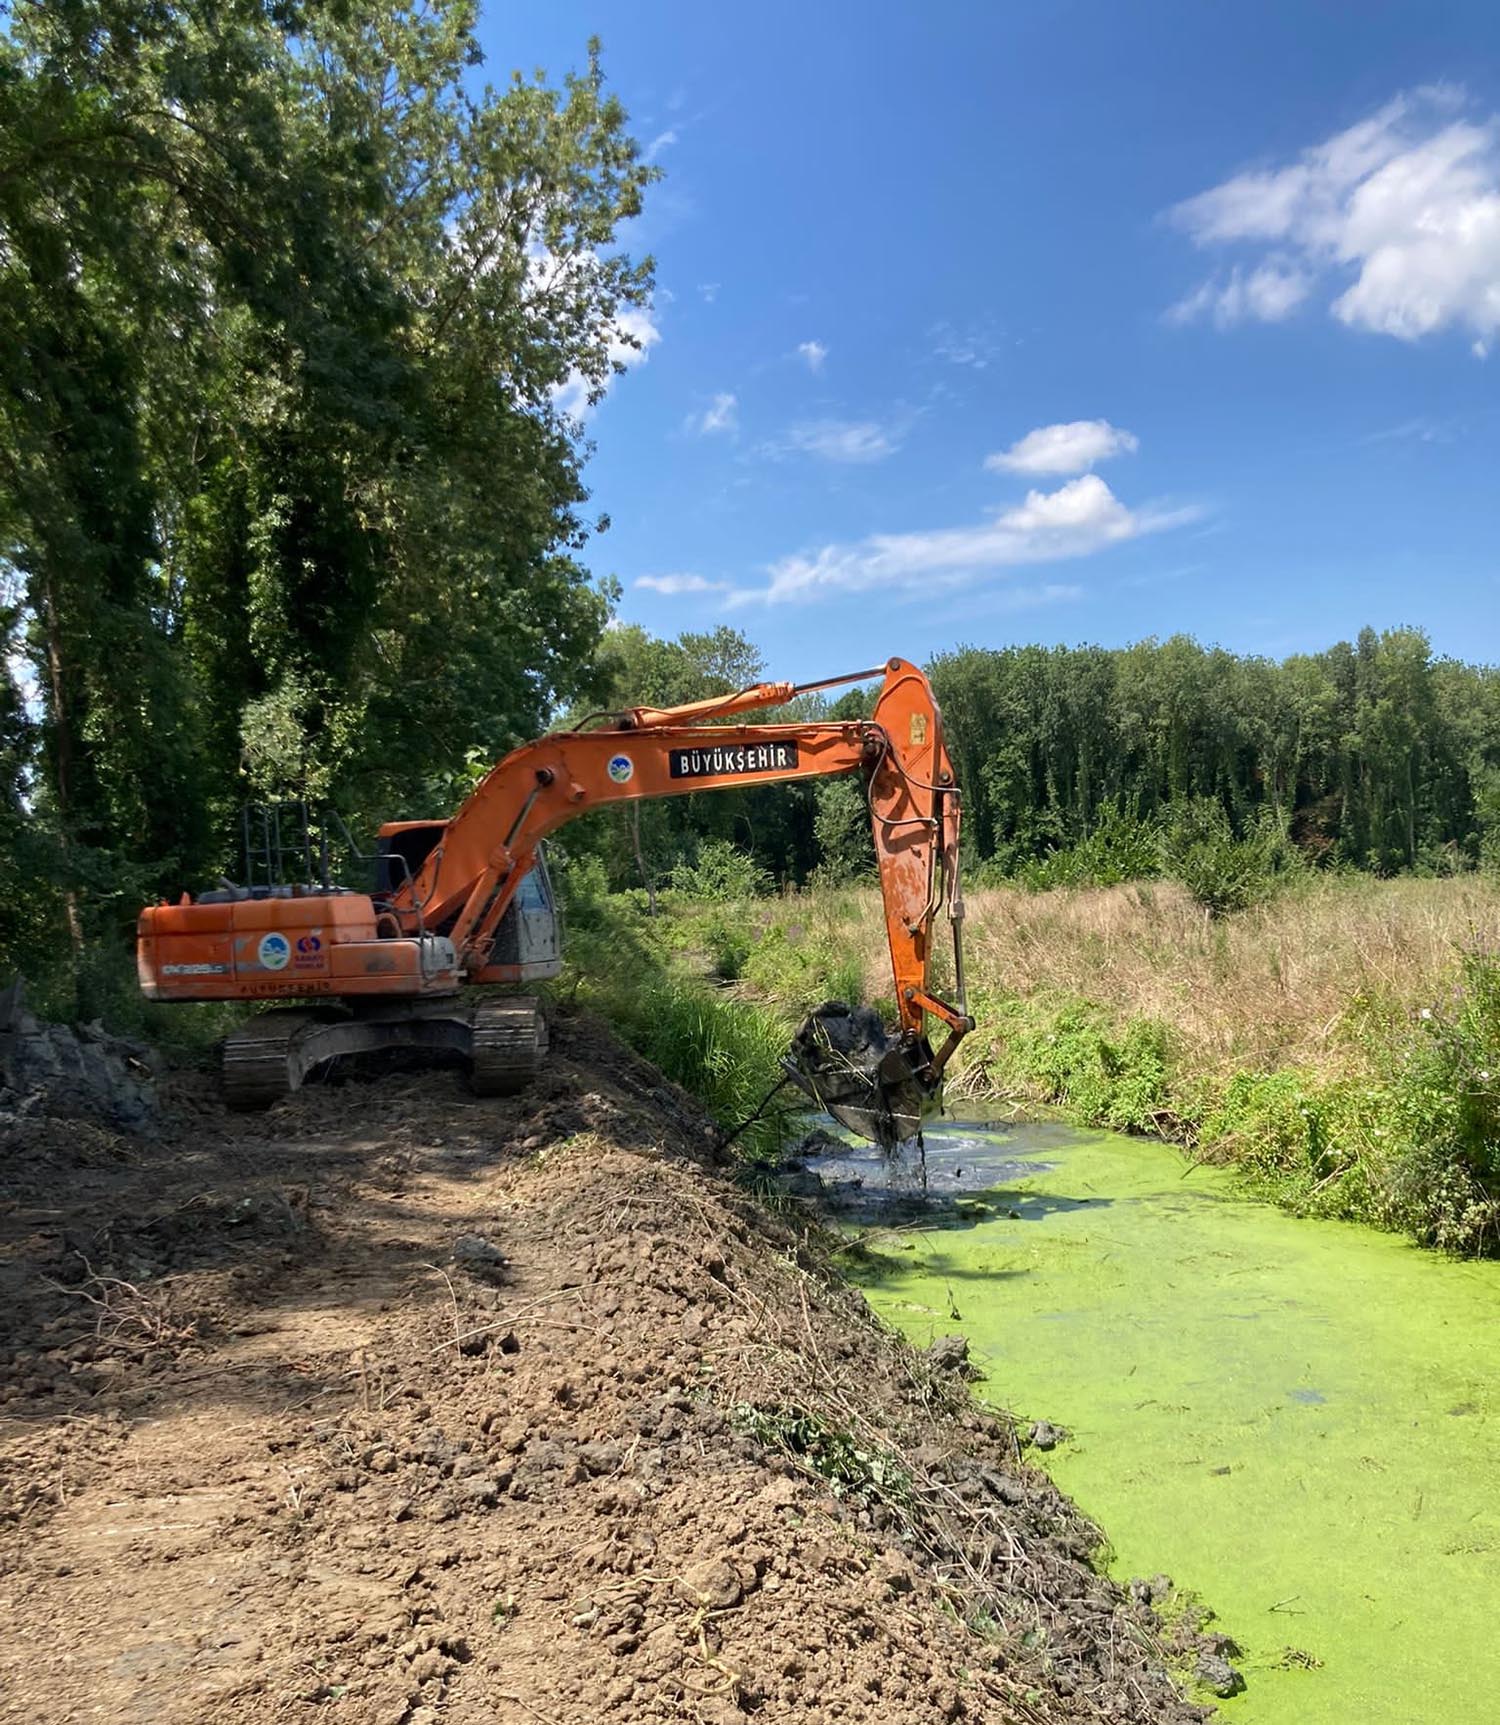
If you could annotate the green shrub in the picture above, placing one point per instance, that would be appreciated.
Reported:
(721, 871)
(1068, 1055)
(1443, 1181)
(1120, 848)
(1223, 873)
(582, 884)
(728, 939)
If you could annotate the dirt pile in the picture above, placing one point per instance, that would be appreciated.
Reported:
(84, 1073)
(399, 1406)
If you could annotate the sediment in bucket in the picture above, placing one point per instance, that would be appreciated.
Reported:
(852, 1067)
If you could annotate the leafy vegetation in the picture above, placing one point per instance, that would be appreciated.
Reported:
(295, 320)
(727, 1052)
(1372, 753)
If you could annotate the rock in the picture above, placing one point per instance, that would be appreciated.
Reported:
(711, 1583)
(1045, 1435)
(54, 1069)
(802, 1184)
(1225, 1645)
(598, 1458)
(950, 1354)
(1218, 1675)
(478, 1491)
(475, 1252)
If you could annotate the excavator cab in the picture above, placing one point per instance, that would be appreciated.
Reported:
(527, 942)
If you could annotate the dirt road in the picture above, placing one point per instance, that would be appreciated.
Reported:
(398, 1406)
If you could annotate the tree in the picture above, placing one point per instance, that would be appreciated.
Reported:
(291, 319)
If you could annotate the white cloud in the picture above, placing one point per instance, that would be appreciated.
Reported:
(1398, 217)
(662, 141)
(710, 291)
(812, 353)
(1078, 519)
(853, 442)
(673, 585)
(1266, 294)
(1070, 448)
(721, 415)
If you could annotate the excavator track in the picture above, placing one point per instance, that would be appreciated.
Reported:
(260, 1063)
(509, 1040)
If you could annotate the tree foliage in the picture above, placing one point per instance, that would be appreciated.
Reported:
(1373, 754)
(1090, 766)
(291, 311)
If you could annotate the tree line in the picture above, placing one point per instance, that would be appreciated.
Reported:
(1082, 763)
(1374, 753)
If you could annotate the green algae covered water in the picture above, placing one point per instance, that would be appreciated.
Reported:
(1298, 1421)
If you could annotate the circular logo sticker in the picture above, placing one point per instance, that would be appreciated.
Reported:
(621, 769)
(275, 951)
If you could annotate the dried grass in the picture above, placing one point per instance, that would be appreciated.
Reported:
(1293, 981)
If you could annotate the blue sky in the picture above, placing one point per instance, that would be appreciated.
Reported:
(1081, 321)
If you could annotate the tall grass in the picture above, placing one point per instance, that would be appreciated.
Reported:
(1340, 1043)
(1302, 979)
(725, 1051)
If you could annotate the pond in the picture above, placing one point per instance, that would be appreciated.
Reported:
(1298, 1421)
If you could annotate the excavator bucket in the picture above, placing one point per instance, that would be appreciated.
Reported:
(868, 1080)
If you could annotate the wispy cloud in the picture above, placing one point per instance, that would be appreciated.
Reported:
(722, 415)
(851, 442)
(662, 141)
(672, 586)
(812, 354)
(1079, 519)
(709, 291)
(1398, 217)
(1073, 447)
(1419, 430)
(973, 347)
(1266, 294)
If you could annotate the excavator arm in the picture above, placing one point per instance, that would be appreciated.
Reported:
(467, 880)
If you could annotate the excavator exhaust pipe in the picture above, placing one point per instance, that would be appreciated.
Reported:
(878, 1085)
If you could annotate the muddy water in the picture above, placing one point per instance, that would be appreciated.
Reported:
(1298, 1421)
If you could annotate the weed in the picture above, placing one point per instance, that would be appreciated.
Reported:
(835, 1455)
(726, 1052)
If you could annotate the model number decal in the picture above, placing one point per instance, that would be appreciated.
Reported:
(733, 759)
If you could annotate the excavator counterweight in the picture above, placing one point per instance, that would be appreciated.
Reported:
(468, 901)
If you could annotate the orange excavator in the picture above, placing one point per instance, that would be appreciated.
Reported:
(468, 901)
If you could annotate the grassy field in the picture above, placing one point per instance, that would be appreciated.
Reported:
(1340, 1044)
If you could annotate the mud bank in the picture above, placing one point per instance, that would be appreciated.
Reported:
(398, 1406)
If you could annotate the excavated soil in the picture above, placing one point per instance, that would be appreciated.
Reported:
(396, 1406)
